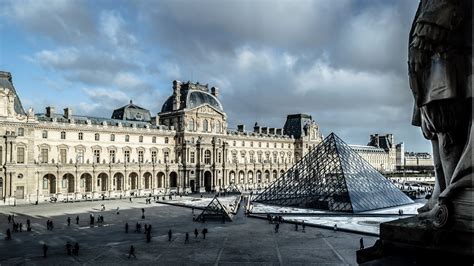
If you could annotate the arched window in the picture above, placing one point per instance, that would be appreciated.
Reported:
(166, 140)
(153, 139)
(127, 138)
(63, 135)
(97, 136)
(44, 134)
(112, 137)
(140, 139)
(207, 157)
(80, 136)
(205, 125)
(191, 124)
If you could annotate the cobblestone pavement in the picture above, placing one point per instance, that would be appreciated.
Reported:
(244, 241)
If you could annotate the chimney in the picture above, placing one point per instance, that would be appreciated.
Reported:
(241, 128)
(271, 131)
(67, 113)
(215, 91)
(264, 130)
(49, 111)
(176, 94)
(256, 128)
(279, 131)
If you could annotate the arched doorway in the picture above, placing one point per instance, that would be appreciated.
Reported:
(232, 177)
(275, 175)
(147, 177)
(250, 178)
(49, 184)
(208, 181)
(118, 181)
(103, 180)
(68, 179)
(259, 177)
(267, 176)
(173, 179)
(241, 177)
(86, 182)
(133, 180)
(160, 178)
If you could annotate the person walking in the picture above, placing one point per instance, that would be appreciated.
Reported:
(77, 219)
(126, 228)
(186, 240)
(75, 251)
(143, 213)
(277, 226)
(296, 226)
(28, 223)
(9, 218)
(131, 252)
(45, 250)
(170, 234)
(148, 236)
(196, 233)
(9, 234)
(68, 221)
(303, 225)
(68, 248)
(21, 227)
(361, 241)
(204, 232)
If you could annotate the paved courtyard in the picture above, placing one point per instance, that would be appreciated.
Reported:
(244, 241)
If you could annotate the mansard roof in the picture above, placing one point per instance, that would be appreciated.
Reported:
(6, 82)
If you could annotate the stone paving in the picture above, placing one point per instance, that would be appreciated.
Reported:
(245, 241)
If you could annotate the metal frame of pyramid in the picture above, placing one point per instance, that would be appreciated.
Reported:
(333, 177)
(232, 188)
(214, 210)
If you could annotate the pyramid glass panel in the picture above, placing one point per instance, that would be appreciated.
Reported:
(333, 177)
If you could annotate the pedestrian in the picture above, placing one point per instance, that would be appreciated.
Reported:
(9, 218)
(21, 227)
(126, 228)
(130, 199)
(148, 236)
(361, 243)
(170, 234)
(303, 225)
(277, 226)
(296, 226)
(68, 248)
(76, 249)
(45, 249)
(9, 234)
(204, 232)
(186, 240)
(47, 225)
(51, 225)
(28, 222)
(68, 221)
(146, 228)
(335, 227)
(77, 219)
(196, 233)
(132, 252)
(143, 213)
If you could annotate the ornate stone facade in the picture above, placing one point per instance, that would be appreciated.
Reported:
(186, 147)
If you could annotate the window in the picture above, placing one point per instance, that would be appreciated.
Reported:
(234, 157)
(44, 134)
(63, 156)
(218, 127)
(1, 155)
(252, 158)
(207, 157)
(97, 136)
(153, 156)
(80, 136)
(243, 143)
(259, 157)
(112, 137)
(191, 125)
(140, 156)
(96, 156)
(166, 140)
(233, 143)
(140, 139)
(275, 158)
(242, 156)
(219, 157)
(127, 138)
(192, 157)
(205, 126)
(259, 144)
(251, 144)
(64, 183)
(166, 156)
(282, 145)
(126, 156)
(20, 155)
(80, 156)
(274, 145)
(63, 135)
(267, 158)
(153, 140)
(268, 144)
(21, 132)
(44, 155)
(45, 183)
(112, 156)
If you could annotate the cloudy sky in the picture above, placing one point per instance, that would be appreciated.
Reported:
(341, 61)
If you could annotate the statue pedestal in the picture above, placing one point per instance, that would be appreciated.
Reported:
(416, 241)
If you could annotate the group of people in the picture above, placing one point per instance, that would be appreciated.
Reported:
(72, 250)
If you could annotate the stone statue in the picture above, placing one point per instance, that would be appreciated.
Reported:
(440, 73)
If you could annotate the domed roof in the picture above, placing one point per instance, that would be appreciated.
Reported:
(194, 99)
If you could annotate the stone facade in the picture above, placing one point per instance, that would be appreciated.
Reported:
(186, 147)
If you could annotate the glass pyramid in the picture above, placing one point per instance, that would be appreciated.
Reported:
(334, 177)
(214, 210)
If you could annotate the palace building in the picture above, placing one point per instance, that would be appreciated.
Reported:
(186, 147)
